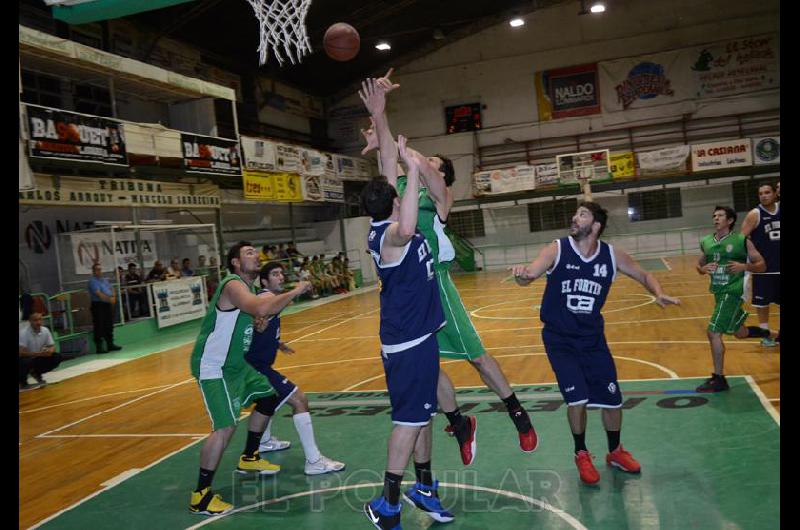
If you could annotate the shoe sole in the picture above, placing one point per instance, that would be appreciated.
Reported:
(324, 472)
(366, 514)
(210, 514)
(433, 515)
(259, 472)
(262, 450)
(473, 446)
(623, 468)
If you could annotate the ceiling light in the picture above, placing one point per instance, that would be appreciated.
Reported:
(383, 46)
(598, 7)
(517, 22)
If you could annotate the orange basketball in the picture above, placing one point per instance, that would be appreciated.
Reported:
(341, 42)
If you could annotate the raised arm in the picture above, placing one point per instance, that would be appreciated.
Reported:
(433, 179)
(399, 233)
(373, 94)
(628, 266)
(525, 274)
(236, 294)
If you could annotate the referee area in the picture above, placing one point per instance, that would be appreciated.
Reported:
(119, 447)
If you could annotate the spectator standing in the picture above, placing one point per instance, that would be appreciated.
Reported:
(103, 299)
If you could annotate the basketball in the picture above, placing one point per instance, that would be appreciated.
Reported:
(341, 42)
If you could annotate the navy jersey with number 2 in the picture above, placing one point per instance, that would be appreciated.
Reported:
(577, 288)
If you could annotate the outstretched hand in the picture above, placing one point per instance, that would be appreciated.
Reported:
(520, 274)
(385, 83)
(406, 153)
(373, 95)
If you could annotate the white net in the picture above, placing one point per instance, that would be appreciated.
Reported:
(283, 27)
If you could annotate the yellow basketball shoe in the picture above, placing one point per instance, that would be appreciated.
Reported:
(255, 464)
(205, 503)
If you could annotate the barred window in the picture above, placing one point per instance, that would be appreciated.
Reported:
(551, 215)
(41, 89)
(656, 204)
(745, 193)
(468, 223)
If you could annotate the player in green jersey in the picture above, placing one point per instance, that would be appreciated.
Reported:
(725, 257)
(227, 382)
(458, 339)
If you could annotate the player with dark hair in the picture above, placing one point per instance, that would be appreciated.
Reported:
(226, 381)
(726, 256)
(458, 339)
(261, 356)
(763, 226)
(580, 270)
(411, 313)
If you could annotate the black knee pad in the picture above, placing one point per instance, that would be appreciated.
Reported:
(267, 405)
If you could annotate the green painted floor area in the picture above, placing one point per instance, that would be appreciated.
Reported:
(708, 461)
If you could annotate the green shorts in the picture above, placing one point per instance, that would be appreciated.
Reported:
(728, 314)
(225, 397)
(458, 338)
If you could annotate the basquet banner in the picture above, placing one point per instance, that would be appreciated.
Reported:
(179, 300)
(54, 190)
(99, 247)
(210, 155)
(568, 92)
(721, 155)
(71, 136)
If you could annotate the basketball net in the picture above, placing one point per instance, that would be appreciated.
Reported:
(585, 174)
(283, 25)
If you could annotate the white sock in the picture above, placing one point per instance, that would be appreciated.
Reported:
(265, 437)
(302, 422)
(764, 326)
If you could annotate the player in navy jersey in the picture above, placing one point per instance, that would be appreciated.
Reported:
(763, 226)
(580, 269)
(261, 356)
(411, 313)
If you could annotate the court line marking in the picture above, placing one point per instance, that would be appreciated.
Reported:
(569, 519)
(91, 398)
(666, 264)
(115, 484)
(114, 435)
(763, 399)
(114, 408)
(774, 399)
(670, 373)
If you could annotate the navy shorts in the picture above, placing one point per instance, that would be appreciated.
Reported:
(283, 387)
(584, 369)
(766, 289)
(412, 376)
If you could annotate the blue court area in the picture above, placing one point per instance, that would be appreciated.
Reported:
(708, 461)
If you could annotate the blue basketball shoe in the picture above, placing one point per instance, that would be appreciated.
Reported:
(383, 515)
(427, 499)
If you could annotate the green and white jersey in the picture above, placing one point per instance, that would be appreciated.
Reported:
(430, 225)
(732, 247)
(225, 337)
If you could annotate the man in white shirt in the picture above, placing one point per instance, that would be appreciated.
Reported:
(37, 352)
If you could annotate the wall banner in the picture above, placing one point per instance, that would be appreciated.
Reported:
(97, 246)
(767, 150)
(623, 165)
(568, 92)
(259, 154)
(71, 136)
(210, 155)
(258, 186)
(667, 160)
(721, 155)
(179, 301)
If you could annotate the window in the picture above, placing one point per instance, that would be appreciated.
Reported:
(40, 89)
(745, 193)
(656, 204)
(92, 99)
(551, 215)
(467, 224)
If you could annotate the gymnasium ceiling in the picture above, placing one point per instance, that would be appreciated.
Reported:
(228, 32)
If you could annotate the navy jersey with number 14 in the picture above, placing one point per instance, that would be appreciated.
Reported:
(577, 288)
